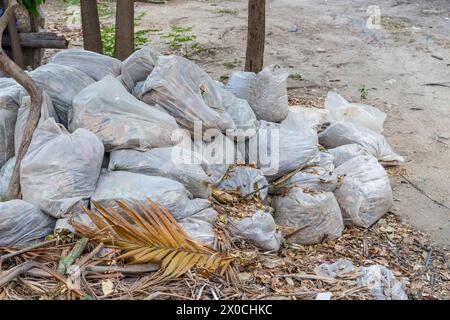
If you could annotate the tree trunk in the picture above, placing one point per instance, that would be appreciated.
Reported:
(124, 29)
(91, 26)
(36, 101)
(16, 49)
(256, 35)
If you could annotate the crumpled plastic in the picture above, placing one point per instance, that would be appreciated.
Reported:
(200, 226)
(22, 223)
(121, 121)
(5, 176)
(141, 63)
(266, 92)
(60, 170)
(246, 181)
(346, 152)
(365, 193)
(311, 117)
(359, 114)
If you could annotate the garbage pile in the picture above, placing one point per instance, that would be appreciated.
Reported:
(160, 127)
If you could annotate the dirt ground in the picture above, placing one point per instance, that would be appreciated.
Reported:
(328, 43)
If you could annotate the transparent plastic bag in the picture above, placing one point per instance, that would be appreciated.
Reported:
(278, 150)
(359, 114)
(310, 117)
(121, 121)
(22, 223)
(9, 106)
(61, 83)
(382, 283)
(60, 170)
(341, 133)
(266, 92)
(95, 65)
(5, 176)
(47, 111)
(200, 226)
(141, 63)
(246, 180)
(173, 163)
(365, 193)
(317, 213)
(346, 152)
(260, 229)
(136, 188)
(187, 93)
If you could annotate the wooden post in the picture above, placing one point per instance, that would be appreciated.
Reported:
(124, 45)
(16, 48)
(92, 38)
(256, 37)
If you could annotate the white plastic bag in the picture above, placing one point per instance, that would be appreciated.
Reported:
(311, 117)
(365, 194)
(121, 121)
(246, 181)
(22, 223)
(200, 226)
(95, 65)
(47, 111)
(136, 188)
(141, 63)
(359, 114)
(341, 133)
(61, 83)
(173, 163)
(346, 152)
(9, 106)
(278, 150)
(60, 170)
(382, 283)
(266, 92)
(187, 93)
(317, 213)
(260, 229)
(5, 176)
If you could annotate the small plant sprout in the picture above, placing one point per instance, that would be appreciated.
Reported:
(363, 91)
(182, 38)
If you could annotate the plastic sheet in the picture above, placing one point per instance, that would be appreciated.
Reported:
(187, 93)
(365, 193)
(62, 83)
(266, 92)
(173, 163)
(60, 171)
(5, 176)
(137, 188)
(260, 229)
(95, 65)
(119, 119)
(22, 223)
(341, 133)
(9, 106)
(359, 114)
(317, 213)
(47, 111)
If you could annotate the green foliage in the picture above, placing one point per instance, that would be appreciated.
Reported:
(32, 6)
(182, 37)
(72, 2)
(108, 33)
(363, 91)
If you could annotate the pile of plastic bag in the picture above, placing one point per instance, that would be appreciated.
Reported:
(160, 127)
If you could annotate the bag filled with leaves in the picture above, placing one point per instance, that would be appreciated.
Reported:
(60, 170)
(341, 133)
(246, 181)
(317, 214)
(140, 64)
(121, 121)
(187, 93)
(365, 193)
(22, 223)
(174, 163)
(61, 83)
(95, 65)
(266, 92)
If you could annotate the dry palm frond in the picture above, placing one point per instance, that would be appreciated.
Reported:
(151, 235)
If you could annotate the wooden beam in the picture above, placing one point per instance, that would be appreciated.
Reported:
(39, 40)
